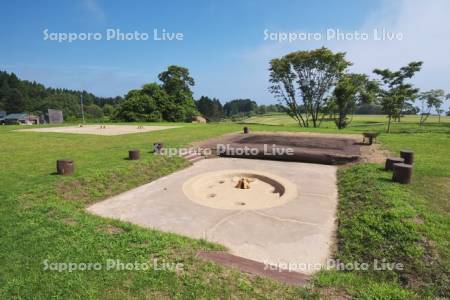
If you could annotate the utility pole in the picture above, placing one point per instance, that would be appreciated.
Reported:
(82, 108)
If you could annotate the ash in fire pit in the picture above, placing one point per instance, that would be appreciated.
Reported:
(239, 189)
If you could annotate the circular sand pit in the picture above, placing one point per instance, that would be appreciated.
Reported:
(239, 190)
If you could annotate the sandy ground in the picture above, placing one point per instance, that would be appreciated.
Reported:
(96, 129)
(299, 232)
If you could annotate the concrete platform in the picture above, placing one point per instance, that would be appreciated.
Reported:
(96, 129)
(297, 234)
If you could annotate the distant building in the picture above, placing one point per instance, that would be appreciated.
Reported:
(21, 119)
(54, 116)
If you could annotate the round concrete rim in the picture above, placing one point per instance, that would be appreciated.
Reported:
(290, 189)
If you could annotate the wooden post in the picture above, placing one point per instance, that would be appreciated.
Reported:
(390, 161)
(65, 167)
(246, 130)
(134, 154)
(402, 173)
(408, 156)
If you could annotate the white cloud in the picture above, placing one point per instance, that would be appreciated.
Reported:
(94, 9)
(425, 27)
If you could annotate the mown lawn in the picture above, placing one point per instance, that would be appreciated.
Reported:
(42, 217)
(283, 119)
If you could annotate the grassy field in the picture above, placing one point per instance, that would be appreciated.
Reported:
(42, 217)
(357, 121)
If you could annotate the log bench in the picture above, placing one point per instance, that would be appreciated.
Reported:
(134, 154)
(390, 161)
(402, 173)
(65, 167)
(408, 156)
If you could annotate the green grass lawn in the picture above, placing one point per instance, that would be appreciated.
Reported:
(357, 121)
(42, 217)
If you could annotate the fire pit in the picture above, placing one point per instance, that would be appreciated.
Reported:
(239, 189)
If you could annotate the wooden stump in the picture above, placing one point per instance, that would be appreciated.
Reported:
(246, 130)
(65, 167)
(157, 147)
(408, 156)
(402, 173)
(134, 154)
(390, 161)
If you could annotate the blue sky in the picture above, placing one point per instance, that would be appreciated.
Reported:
(223, 44)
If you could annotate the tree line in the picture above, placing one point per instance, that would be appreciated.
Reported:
(169, 100)
(18, 95)
(315, 85)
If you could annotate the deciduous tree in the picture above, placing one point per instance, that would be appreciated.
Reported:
(429, 100)
(350, 91)
(394, 92)
(304, 79)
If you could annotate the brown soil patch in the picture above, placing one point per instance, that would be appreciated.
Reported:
(110, 229)
(374, 154)
(71, 190)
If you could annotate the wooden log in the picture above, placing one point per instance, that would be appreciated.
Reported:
(390, 161)
(246, 130)
(243, 183)
(402, 173)
(408, 156)
(134, 154)
(65, 167)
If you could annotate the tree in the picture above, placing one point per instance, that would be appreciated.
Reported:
(350, 91)
(439, 111)
(142, 105)
(171, 101)
(309, 75)
(94, 111)
(438, 108)
(211, 109)
(108, 110)
(429, 100)
(410, 109)
(176, 82)
(394, 92)
(14, 101)
(239, 107)
(369, 109)
(18, 95)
